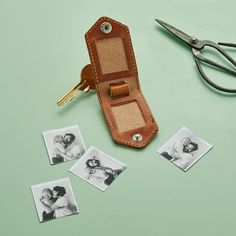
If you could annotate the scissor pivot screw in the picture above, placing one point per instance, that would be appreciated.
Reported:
(194, 41)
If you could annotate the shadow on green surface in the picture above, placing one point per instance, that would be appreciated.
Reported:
(78, 99)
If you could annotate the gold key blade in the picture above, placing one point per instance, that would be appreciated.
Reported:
(71, 94)
(86, 83)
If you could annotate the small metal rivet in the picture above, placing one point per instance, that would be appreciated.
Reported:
(106, 27)
(194, 41)
(137, 137)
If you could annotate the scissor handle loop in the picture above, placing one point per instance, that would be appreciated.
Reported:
(200, 57)
(210, 82)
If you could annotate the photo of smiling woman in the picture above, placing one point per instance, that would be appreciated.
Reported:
(54, 199)
(181, 153)
(184, 148)
(64, 144)
(100, 172)
(98, 168)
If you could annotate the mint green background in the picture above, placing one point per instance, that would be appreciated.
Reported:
(42, 51)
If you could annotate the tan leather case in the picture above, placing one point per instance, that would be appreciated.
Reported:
(115, 75)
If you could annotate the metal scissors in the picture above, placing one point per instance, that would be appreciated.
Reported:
(197, 45)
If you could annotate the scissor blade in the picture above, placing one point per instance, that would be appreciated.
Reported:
(180, 34)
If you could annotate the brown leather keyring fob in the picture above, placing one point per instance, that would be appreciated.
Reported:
(115, 76)
(113, 73)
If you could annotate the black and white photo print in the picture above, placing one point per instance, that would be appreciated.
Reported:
(64, 144)
(54, 199)
(98, 168)
(184, 149)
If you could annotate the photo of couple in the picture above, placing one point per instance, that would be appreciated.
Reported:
(98, 168)
(64, 144)
(54, 199)
(184, 149)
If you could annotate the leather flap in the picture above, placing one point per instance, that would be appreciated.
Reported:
(115, 74)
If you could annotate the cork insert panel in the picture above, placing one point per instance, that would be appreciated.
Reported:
(128, 116)
(111, 54)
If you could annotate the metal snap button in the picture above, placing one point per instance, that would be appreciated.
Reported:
(137, 137)
(106, 27)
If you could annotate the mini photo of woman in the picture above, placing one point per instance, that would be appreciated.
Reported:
(98, 168)
(184, 149)
(64, 144)
(54, 199)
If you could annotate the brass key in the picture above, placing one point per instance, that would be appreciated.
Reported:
(84, 85)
